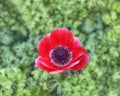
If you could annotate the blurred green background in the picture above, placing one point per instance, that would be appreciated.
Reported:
(24, 22)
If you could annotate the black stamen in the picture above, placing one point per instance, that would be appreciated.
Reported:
(61, 56)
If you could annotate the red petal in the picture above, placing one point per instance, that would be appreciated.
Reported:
(83, 57)
(44, 46)
(41, 66)
(57, 71)
(77, 53)
(62, 36)
(76, 42)
(48, 64)
(44, 66)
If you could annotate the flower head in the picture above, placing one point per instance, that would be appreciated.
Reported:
(60, 51)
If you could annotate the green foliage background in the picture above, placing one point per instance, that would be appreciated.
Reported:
(24, 22)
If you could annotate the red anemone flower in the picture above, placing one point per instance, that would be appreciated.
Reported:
(60, 51)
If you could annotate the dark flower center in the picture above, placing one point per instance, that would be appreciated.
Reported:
(61, 56)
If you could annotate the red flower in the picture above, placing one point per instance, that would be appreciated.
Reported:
(60, 51)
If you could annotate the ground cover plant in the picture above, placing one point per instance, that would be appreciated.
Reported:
(24, 22)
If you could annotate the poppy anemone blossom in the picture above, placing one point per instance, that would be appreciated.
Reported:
(60, 51)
